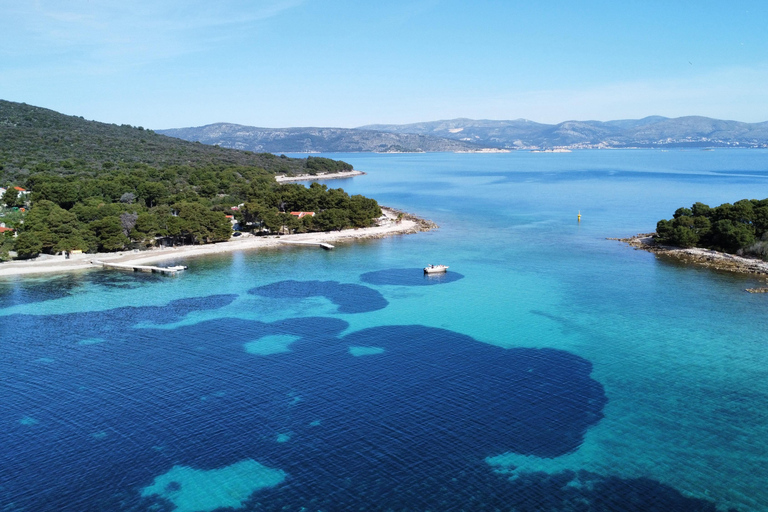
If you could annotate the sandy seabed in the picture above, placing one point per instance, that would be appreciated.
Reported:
(46, 264)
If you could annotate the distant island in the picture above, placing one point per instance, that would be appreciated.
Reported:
(71, 186)
(483, 136)
(648, 132)
(728, 237)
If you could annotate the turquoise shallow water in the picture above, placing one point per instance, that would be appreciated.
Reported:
(555, 367)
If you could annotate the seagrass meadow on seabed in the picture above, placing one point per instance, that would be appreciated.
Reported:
(549, 369)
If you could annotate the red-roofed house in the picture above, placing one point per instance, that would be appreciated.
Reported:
(3, 229)
(302, 214)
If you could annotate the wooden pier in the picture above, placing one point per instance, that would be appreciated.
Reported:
(325, 246)
(171, 271)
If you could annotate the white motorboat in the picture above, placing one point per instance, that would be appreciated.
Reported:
(435, 269)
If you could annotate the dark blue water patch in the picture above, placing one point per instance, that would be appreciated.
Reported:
(406, 430)
(408, 277)
(350, 298)
(122, 279)
(47, 334)
(590, 492)
(177, 309)
(478, 490)
(530, 401)
(27, 291)
(387, 429)
(644, 495)
(119, 412)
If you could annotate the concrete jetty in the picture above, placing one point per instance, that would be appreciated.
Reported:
(325, 246)
(171, 271)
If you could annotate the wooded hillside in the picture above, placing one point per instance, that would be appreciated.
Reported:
(98, 187)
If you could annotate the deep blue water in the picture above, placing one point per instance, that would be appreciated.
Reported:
(550, 369)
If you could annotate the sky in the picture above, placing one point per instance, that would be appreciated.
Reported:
(345, 63)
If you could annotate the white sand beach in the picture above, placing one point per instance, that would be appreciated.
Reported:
(316, 177)
(388, 226)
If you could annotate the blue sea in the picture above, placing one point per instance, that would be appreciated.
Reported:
(550, 369)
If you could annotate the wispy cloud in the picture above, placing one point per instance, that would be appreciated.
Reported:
(131, 32)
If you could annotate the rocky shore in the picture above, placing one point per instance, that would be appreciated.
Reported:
(702, 257)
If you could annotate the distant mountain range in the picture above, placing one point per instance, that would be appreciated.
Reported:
(653, 131)
(317, 140)
(478, 135)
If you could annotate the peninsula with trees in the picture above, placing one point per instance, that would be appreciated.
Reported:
(731, 237)
(72, 185)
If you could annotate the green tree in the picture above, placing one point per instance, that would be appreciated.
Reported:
(319, 164)
(147, 227)
(6, 245)
(700, 210)
(71, 242)
(663, 230)
(761, 218)
(108, 233)
(332, 219)
(11, 198)
(51, 224)
(271, 221)
(58, 190)
(201, 225)
(362, 211)
(730, 236)
(27, 245)
(683, 236)
(153, 193)
(290, 223)
(743, 211)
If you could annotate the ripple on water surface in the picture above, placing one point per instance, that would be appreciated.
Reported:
(408, 426)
